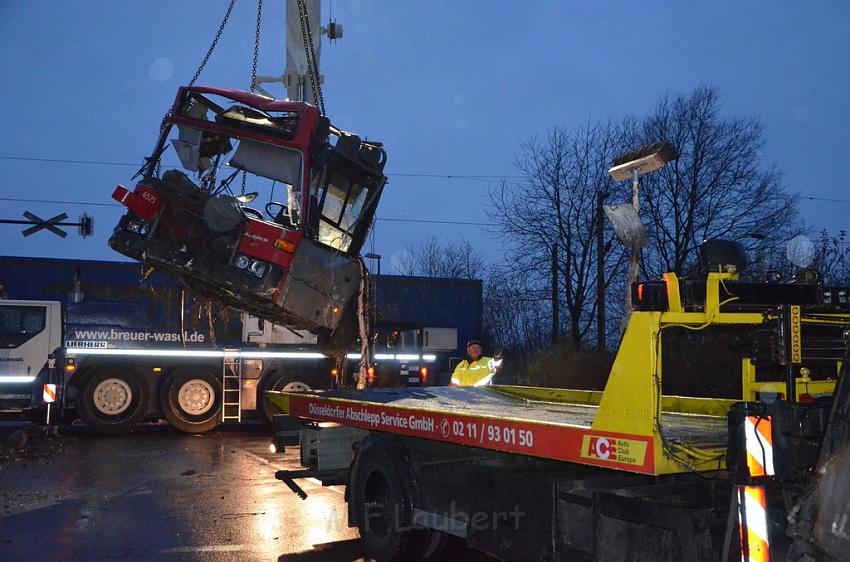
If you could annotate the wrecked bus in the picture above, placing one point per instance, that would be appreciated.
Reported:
(294, 262)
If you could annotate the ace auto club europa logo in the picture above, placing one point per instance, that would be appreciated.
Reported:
(614, 449)
(602, 448)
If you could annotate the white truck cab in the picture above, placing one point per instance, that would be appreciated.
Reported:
(30, 331)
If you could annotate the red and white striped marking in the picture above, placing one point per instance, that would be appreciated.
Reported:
(759, 442)
(49, 394)
(752, 513)
(754, 521)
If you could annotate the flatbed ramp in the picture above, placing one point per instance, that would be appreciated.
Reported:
(506, 419)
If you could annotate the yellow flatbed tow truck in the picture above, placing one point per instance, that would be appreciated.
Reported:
(628, 473)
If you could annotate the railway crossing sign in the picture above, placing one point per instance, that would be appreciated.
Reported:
(85, 224)
(49, 224)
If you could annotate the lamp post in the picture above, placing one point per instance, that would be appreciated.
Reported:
(600, 271)
(632, 165)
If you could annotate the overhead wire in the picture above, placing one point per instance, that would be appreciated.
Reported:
(135, 164)
(67, 161)
(87, 203)
(437, 222)
(472, 177)
(487, 178)
(462, 177)
(58, 201)
(825, 199)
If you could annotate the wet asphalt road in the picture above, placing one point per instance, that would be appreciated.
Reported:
(157, 494)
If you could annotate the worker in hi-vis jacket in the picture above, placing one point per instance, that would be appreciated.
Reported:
(475, 370)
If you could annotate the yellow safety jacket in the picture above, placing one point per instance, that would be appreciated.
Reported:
(477, 373)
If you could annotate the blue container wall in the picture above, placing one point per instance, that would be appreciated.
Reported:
(426, 301)
(118, 306)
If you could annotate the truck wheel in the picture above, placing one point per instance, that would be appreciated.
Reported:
(382, 504)
(278, 382)
(112, 402)
(191, 401)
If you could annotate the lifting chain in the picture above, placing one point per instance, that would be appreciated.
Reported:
(256, 45)
(254, 69)
(204, 63)
(310, 54)
(214, 43)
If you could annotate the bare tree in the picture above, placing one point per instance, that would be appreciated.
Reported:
(832, 258)
(555, 205)
(718, 188)
(513, 316)
(448, 259)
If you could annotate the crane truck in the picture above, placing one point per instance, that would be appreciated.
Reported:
(703, 445)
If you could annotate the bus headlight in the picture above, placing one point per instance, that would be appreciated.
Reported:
(258, 268)
(242, 262)
(251, 265)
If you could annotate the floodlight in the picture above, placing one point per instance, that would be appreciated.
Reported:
(644, 160)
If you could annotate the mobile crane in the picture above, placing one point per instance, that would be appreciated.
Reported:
(634, 472)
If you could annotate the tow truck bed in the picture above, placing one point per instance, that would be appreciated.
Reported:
(552, 424)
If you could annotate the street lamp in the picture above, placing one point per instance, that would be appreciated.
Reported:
(632, 165)
(373, 256)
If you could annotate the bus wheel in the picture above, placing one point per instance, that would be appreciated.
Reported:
(280, 382)
(191, 401)
(381, 499)
(112, 402)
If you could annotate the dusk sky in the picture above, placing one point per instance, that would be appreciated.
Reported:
(451, 87)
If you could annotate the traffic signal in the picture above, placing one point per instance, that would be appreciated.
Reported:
(86, 227)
